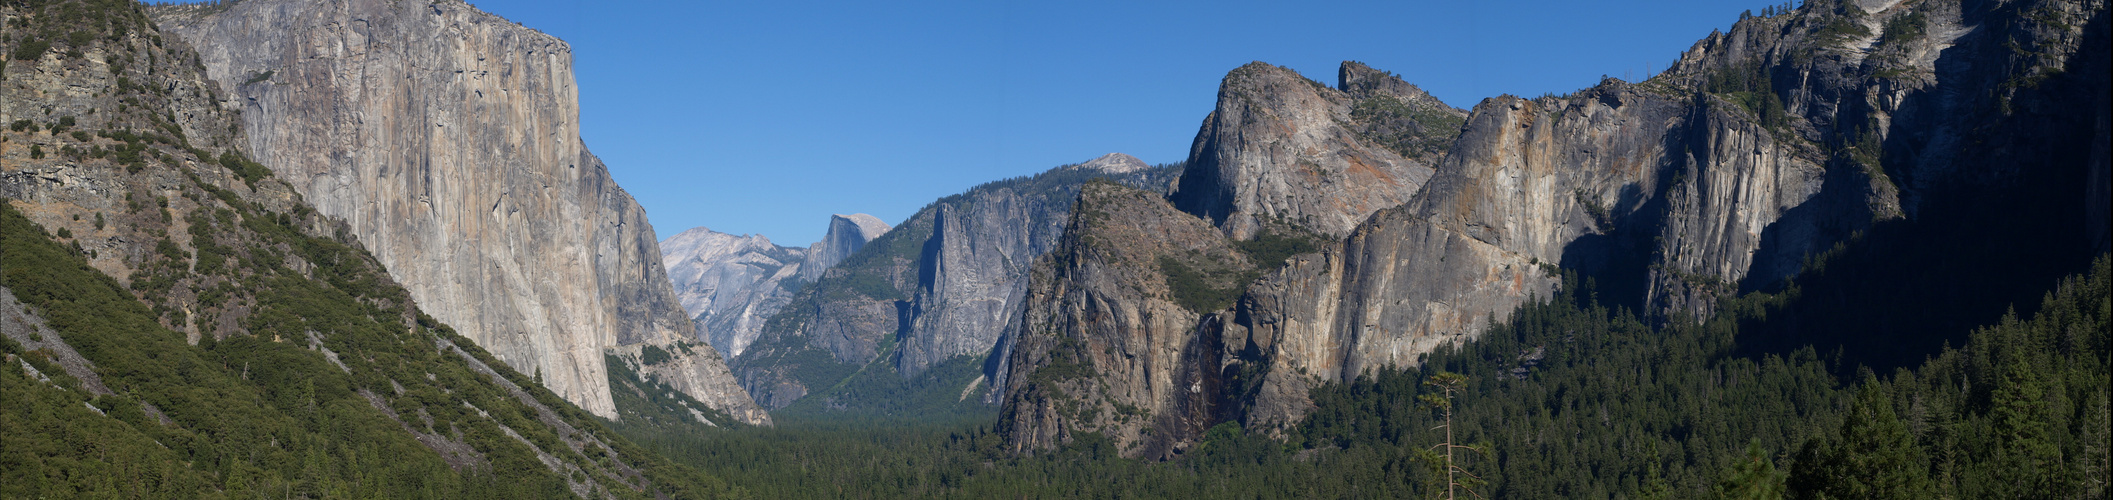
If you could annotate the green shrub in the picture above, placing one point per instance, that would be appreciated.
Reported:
(873, 285)
(249, 171)
(1269, 249)
(1203, 290)
(653, 355)
(31, 49)
(1841, 30)
(1903, 28)
(1408, 130)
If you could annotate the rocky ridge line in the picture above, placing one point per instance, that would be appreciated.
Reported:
(1763, 146)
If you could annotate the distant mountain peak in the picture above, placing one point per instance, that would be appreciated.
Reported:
(869, 227)
(1114, 163)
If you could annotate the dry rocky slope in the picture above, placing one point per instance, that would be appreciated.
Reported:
(940, 286)
(731, 284)
(448, 139)
(1761, 147)
(118, 197)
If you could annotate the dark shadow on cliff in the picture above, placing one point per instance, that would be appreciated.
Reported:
(1834, 215)
(1617, 259)
(1985, 241)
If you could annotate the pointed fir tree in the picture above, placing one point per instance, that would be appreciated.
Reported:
(1874, 456)
(1753, 477)
(2027, 462)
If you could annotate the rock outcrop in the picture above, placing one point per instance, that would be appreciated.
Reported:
(1761, 148)
(847, 234)
(974, 265)
(695, 370)
(940, 286)
(1285, 150)
(730, 284)
(1107, 345)
(448, 139)
(1113, 163)
(113, 144)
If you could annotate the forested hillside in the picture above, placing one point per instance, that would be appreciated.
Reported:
(331, 402)
(1567, 398)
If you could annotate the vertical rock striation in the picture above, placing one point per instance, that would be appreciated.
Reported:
(448, 138)
(975, 265)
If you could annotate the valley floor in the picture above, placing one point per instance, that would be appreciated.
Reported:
(1566, 399)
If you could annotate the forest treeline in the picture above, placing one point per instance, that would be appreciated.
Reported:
(1573, 399)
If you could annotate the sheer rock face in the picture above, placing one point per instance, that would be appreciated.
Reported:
(1589, 182)
(847, 234)
(975, 267)
(1522, 186)
(448, 139)
(1669, 193)
(944, 284)
(730, 284)
(1280, 148)
(1104, 347)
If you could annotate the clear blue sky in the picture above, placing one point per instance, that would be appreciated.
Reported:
(766, 117)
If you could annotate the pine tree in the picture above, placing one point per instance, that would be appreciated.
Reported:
(2027, 462)
(1873, 457)
(1753, 477)
(2093, 464)
(1448, 383)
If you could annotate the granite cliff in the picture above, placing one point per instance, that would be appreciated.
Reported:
(938, 288)
(847, 234)
(731, 284)
(706, 266)
(448, 140)
(1108, 334)
(1281, 149)
(178, 321)
(1896, 125)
